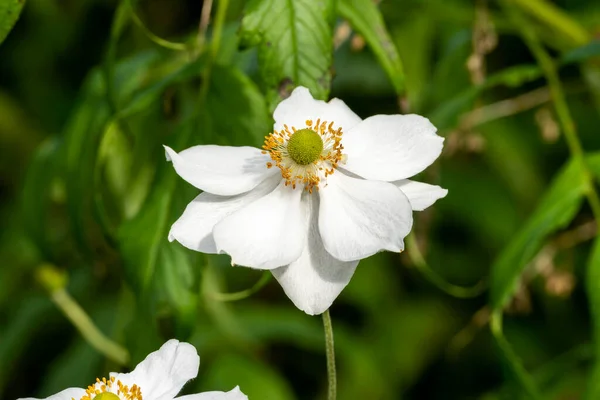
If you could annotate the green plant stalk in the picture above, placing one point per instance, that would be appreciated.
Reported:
(513, 360)
(554, 17)
(218, 27)
(215, 44)
(243, 294)
(560, 104)
(419, 261)
(330, 351)
(154, 38)
(78, 317)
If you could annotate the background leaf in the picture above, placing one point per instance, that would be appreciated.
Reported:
(365, 18)
(556, 209)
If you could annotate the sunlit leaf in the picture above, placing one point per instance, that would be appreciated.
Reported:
(294, 40)
(9, 14)
(365, 18)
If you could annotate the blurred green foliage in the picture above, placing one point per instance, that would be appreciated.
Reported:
(91, 90)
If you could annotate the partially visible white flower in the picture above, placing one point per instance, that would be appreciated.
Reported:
(160, 376)
(327, 190)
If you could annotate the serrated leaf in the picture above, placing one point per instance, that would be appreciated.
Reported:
(366, 19)
(294, 40)
(557, 208)
(10, 10)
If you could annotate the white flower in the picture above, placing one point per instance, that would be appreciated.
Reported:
(159, 377)
(327, 190)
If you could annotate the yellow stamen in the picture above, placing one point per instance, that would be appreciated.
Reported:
(111, 389)
(310, 170)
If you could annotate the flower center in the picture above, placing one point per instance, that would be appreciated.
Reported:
(111, 389)
(305, 146)
(106, 396)
(307, 156)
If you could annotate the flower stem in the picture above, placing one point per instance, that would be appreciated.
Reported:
(86, 327)
(54, 281)
(264, 279)
(461, 292)
(330, 351)
(560, 102)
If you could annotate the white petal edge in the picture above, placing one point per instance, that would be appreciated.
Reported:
(234, 394)
(391, 147)
(194, 228)
(316, 279)
(164, 372)
(266, 234)
(421, 195)
(358, 218)
(221, 170)
(300, 106)
(67, 394)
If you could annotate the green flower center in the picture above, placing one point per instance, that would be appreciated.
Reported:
(106, 396)
(305, 146)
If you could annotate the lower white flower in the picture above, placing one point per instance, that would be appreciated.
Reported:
(327, 190)
(160, 376)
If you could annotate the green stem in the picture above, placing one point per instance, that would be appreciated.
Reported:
(86, 327)
(218, 27)
(513, 360)
(264, 279)
(556, 19)
(215, 44)
(330, 351)
(560, 103)
(453, 290)
(154, 38)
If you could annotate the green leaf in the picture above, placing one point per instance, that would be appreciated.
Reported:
(557, 208)
(36, 195)
(255, 378)
(9, 14)
(32, 314)
(161, 272)
(365, 18)
(294, 41)
(593, 292)
(581, 53)
(251, 123)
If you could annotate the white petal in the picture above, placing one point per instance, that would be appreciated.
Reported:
(421, 195)
(222, 170)
(316, 279)
(194, 228)
(234, 394)
(67, 394)
(300, 106)
(391, 147)
(358, 218)
(267, 233)
(164, 372)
